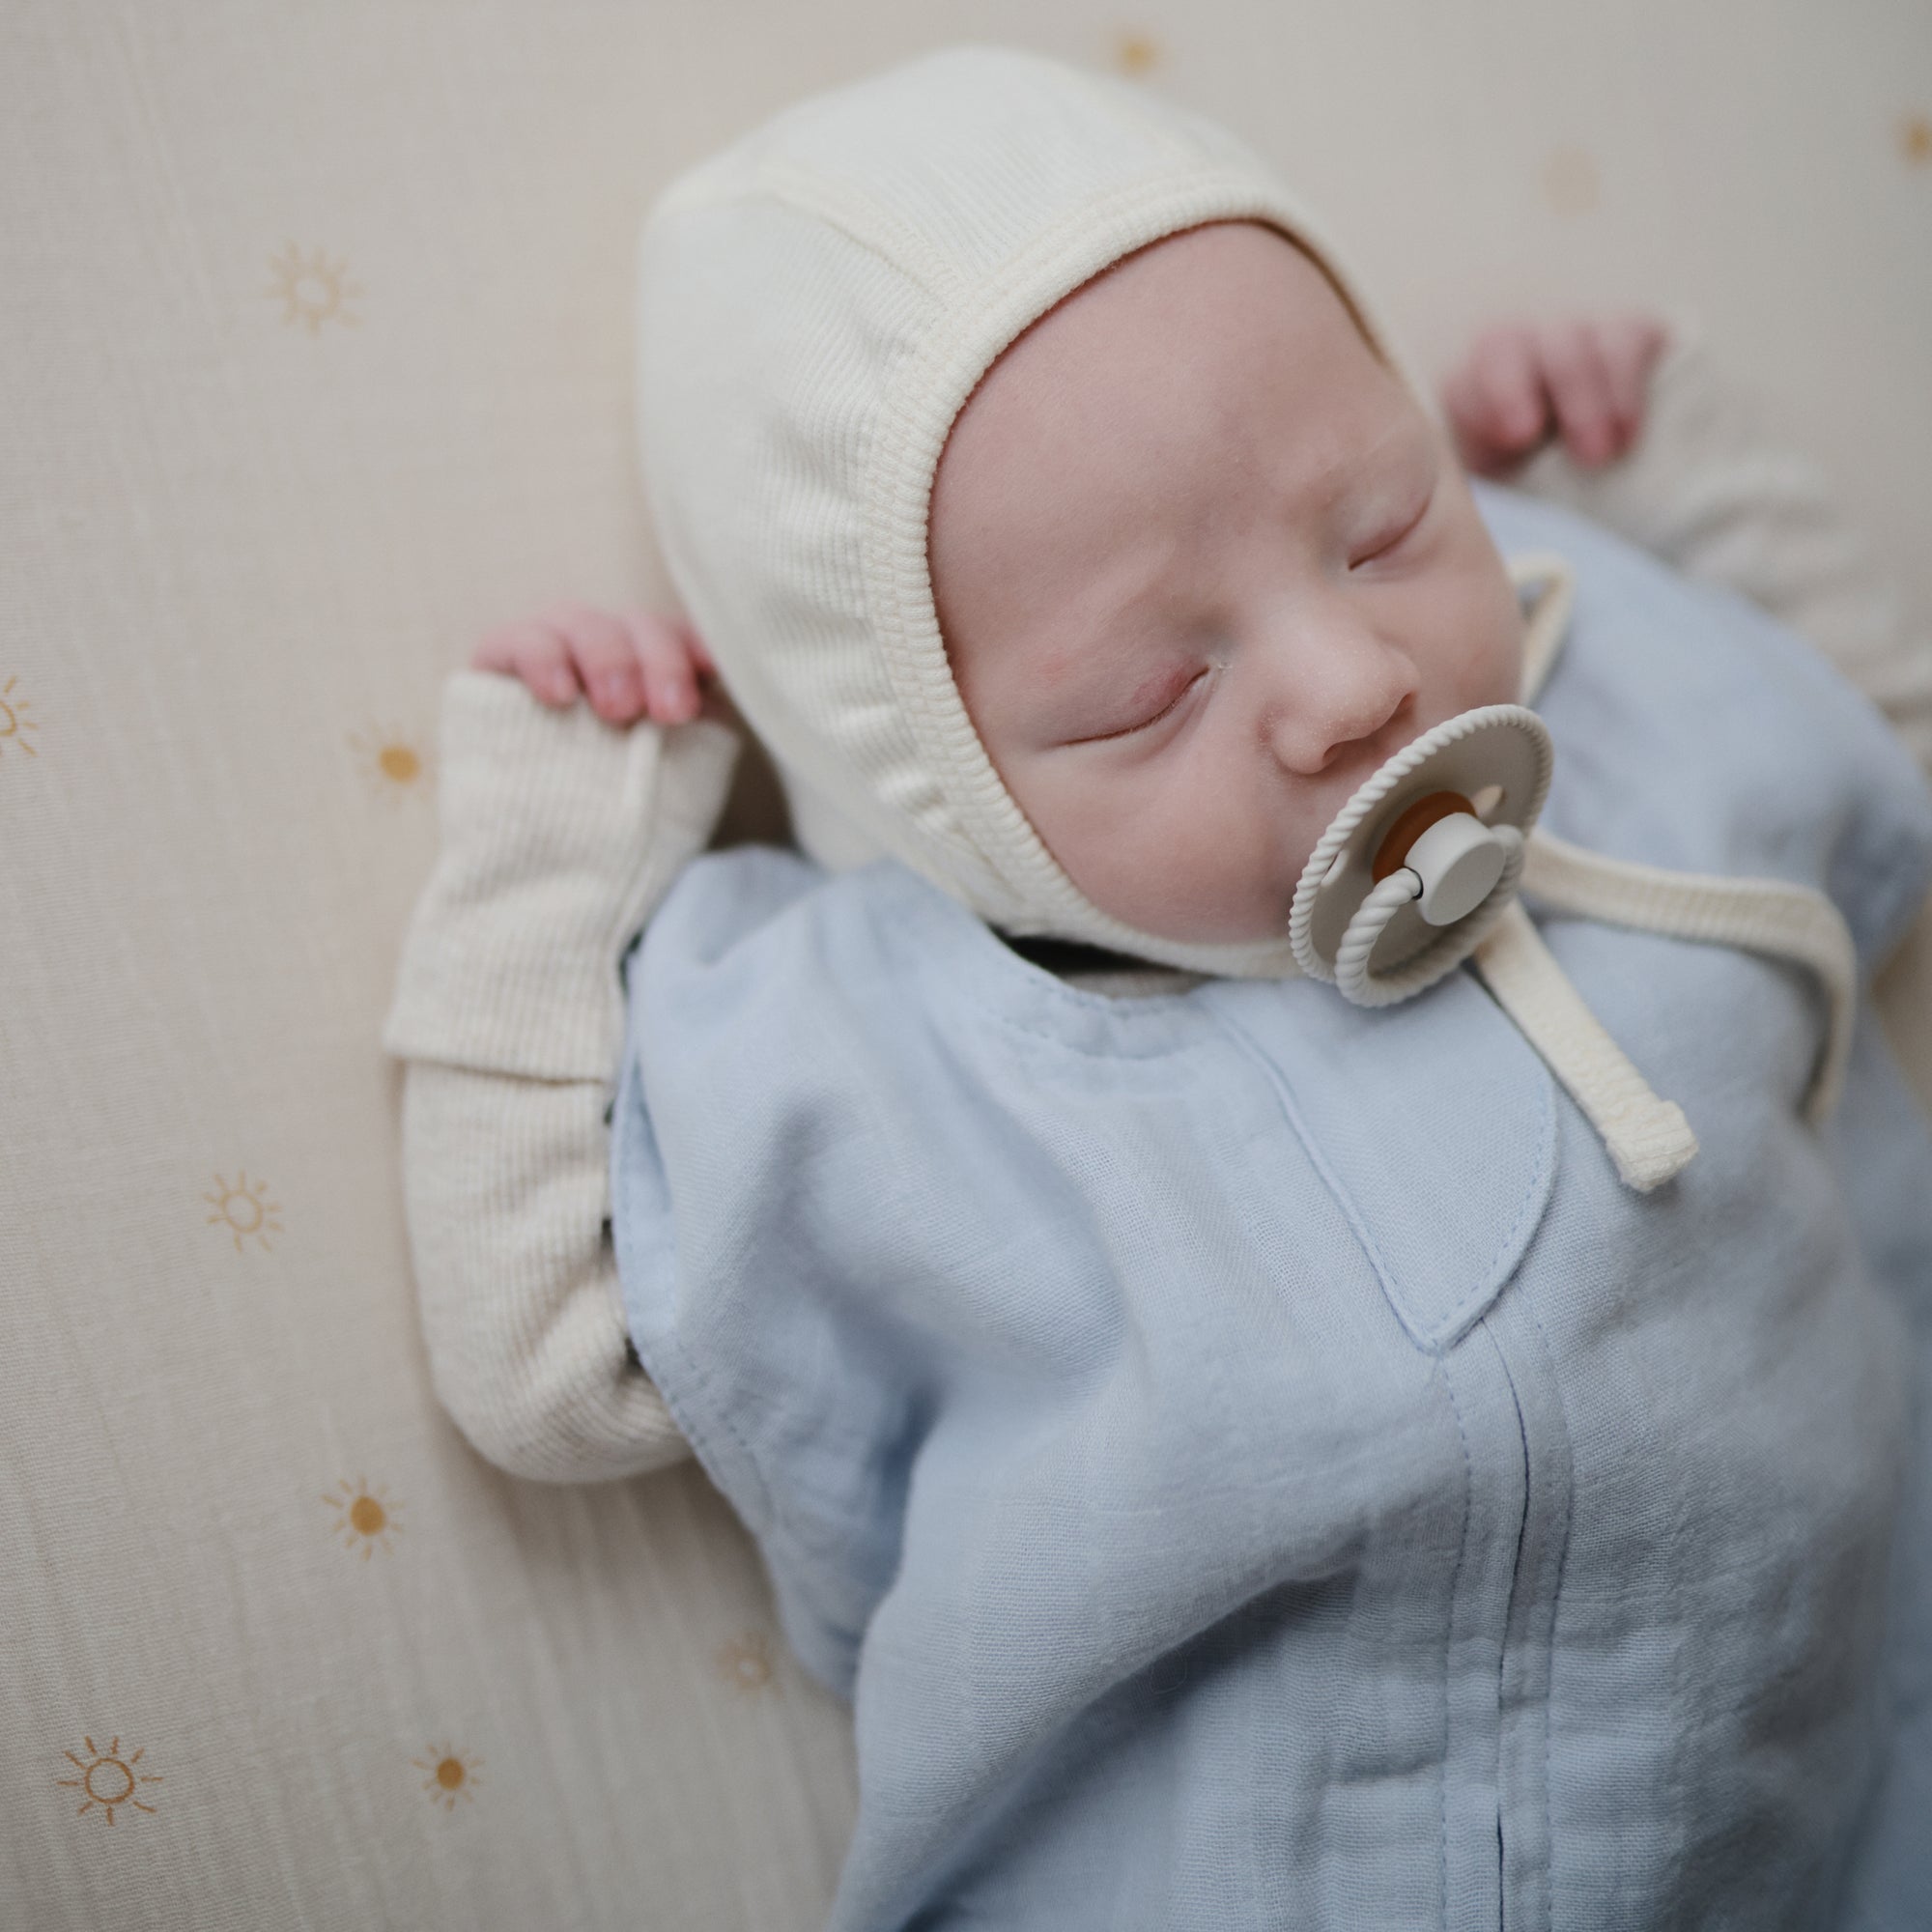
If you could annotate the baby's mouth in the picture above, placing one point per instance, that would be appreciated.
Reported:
(1363, 759)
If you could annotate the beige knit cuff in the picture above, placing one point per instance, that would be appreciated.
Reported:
(560, 835)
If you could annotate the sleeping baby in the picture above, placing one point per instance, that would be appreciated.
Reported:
(1286, 1225)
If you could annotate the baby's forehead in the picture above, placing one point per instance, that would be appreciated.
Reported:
(1224, 264)
(1217, 357)
(1169, 341)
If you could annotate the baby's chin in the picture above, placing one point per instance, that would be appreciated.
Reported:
(1232, 913)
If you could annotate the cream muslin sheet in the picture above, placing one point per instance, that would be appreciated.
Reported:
(318, 331)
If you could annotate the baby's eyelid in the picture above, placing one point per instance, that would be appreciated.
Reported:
(1172, 702)
(1144, 724)
(1383, 545)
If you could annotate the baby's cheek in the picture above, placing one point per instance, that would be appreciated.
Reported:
(1495, 627)
(1502, 677)
(1149, 848)
(1472, 647)
(1207, 864)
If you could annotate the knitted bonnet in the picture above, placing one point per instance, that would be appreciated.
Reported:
(815, 305)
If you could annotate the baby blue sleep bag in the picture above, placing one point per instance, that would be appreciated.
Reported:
(1246, 1456)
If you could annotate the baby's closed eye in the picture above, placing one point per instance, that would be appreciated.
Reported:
(1149, 710)
(1392, 532)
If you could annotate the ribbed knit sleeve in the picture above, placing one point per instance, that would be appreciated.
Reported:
(1710, 491)
(560, 835)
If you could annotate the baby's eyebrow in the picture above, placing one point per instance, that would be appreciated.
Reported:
(1149, 567)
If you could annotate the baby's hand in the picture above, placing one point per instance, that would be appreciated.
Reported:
(1521, 382)
(633, 665)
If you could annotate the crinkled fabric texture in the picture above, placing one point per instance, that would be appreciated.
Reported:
(1247, 1458)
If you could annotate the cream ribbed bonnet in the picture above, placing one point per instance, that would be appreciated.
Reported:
(815, 305)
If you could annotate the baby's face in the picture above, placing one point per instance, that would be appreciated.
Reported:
(1202, 565)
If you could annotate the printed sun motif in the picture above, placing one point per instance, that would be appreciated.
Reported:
(449, 1776)
(243, 1211)
(394, 765)
(107, 1778)
(365, 1518)
(312, 291)
(15, 723)
(1136, 53)
(745, 1663)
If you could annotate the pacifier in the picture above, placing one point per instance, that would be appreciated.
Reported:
(1424, 859)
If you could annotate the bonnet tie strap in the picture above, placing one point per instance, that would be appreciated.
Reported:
(1758, 914)
(1771, 915)
(1422, 867)
(1649, 1138)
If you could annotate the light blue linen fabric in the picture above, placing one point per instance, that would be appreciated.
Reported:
(1248, 1460)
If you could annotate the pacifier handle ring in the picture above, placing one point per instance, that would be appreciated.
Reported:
(1363, 988)
(1371, 921)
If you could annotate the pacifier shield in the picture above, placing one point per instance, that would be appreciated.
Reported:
(1421, 861)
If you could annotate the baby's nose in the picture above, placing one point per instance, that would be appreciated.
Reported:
(1361, 713)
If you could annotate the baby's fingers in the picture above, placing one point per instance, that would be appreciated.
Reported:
(1495, 402)
(601, 646)
(630, 668)
(1579, 386)
(670, 658)
(1506, 375)
(1630, 346)
(534, 652)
